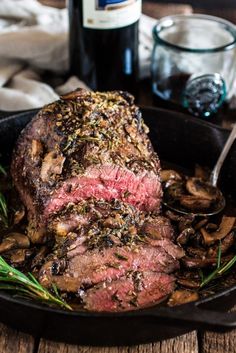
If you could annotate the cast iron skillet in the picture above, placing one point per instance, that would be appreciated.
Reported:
(179, 139)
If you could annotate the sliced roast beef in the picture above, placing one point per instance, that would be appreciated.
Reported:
(87, 268)
(88, 144)
(137, 290)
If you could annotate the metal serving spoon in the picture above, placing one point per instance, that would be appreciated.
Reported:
(220, 204)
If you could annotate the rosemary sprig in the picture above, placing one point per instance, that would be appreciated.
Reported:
(220, 269)
(3, 209)
(16, 281)
(2, 170)
(3, 205)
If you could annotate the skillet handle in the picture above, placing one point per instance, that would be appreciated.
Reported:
(196, 318)
(200, 315)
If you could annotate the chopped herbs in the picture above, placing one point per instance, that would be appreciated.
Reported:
(120, 257)
(113, 265)
(127, 194)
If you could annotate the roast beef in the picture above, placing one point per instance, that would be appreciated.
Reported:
(136, 290)
(94, 266)
(89, 178)
(88, 144)
(114, 240)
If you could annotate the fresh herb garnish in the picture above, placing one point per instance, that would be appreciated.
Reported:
(220, 269)
(2, 170)
(120, 257)
(127, 193)
(112, 265)
(3, 205)
(27, 286)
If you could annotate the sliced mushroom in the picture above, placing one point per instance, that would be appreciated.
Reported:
(19, 215)
(201, 223)
(182, 296)
(52, 164)
(185, 235)
(186, 221)
(225, 228)
(197, 252)
(168, 174)
(19, 256)
(36, 149)
(73, 95)
(175, 191)
(36, 235)
(14, 241)
(194, 203)
(226, 244)
(191, 262)
(211, 227)
(201, 189)
(189, 283)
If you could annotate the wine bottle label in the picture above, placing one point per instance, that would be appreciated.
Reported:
(110, 14)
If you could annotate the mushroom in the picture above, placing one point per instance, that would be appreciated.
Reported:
(175, 190)
(36, 235)
(225, 228)
(182, 296)
(197, 252)
(14, 241)
(169, 174)
(201, 223)
(36, 149)
(19, 256)
(226, 244)
(190, 262)
(52, 164)
(73, 95)
(19, 215)
(194, 203)
(189, 283)
(184, 236)
(202, 189)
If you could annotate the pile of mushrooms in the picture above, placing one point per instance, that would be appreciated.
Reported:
(200, 237)
(191, 194)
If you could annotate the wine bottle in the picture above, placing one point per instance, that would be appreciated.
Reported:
(104, 42)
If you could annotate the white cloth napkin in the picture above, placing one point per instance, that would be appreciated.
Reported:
(34, 38)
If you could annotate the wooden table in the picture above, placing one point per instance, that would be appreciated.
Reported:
(12, 341)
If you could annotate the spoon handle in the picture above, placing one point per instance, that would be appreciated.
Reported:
(216, 171)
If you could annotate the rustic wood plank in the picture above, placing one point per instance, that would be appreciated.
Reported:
(216, 342)
(184, 344)
(12, 341)
(56, 347)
